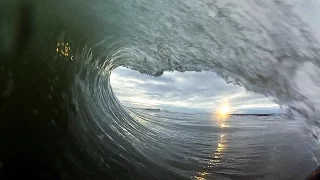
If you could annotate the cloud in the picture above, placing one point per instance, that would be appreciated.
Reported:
(189, 92)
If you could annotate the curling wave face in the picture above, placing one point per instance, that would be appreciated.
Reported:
(57, 103)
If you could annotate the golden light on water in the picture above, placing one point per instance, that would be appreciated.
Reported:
(219, 151)
(216, 159)
(221, 115)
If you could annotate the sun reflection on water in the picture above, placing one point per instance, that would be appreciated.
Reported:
(216, 158)
(218, 152)
(221, 115)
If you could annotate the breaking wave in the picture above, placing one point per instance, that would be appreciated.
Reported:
(263, 46)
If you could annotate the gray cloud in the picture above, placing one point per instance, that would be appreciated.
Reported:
(190, 91)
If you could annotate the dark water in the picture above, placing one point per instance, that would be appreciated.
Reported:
(59, 118)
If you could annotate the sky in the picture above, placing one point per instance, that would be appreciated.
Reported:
(190, 92)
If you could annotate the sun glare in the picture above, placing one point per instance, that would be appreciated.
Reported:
(223, 111)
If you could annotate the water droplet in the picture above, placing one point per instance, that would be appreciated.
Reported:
(53, 122)
(9, 88)
(35, 112)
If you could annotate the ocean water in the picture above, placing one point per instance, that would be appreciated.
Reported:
(202, 146)
(59, 117)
